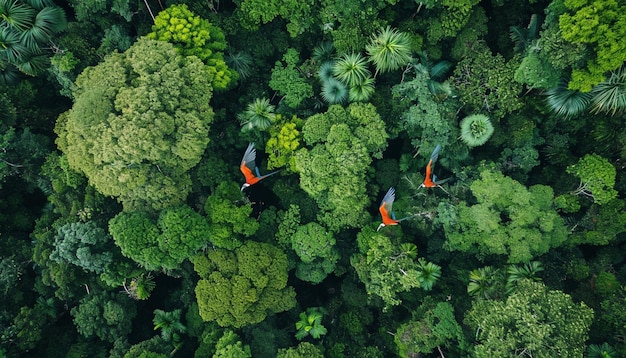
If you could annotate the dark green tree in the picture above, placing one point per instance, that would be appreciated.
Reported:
(104, 315)
(177, 234)
(432, 326)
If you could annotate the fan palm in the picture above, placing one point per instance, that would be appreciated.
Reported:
(16, 14)
(363, 91)
(259, 115)
(610, 96)
(516, 273)
(484, 282)
(389, 50)
(567, 103)
(351, 69)
(428, 274)
(169, 324)
(49, 21)
(476, 130)
(334, 92)
(323, 52)
(310, 323)
(241, 62)
(601, 351)
(325, 71)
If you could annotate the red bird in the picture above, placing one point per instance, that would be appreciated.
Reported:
(249, 168)
(433, 183)
(385, 208)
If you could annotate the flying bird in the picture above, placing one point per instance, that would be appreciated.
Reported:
(433, 183)
(249, 168)
(386, 211)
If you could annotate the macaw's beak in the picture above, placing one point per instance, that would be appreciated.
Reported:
(245, 185)
(380, 226)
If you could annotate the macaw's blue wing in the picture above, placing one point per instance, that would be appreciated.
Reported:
(435, 155)
(249, 158)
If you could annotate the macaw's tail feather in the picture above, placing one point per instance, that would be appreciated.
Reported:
(435, 154)
(267, 175)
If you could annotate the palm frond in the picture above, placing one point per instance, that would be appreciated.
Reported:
(610, 96)
(34, 64)
(439, 70)
(518, 36)
(326, 71)
(241, 62)
(16, 14)
(363, 91)
(39, 4)
(476, 129)
(567, 103)
(389, 50)
(334, 92)
(49, 21)
(324, 51)
(351, 69)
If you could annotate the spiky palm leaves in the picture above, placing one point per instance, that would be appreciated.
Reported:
(476, 129)
(389, 50)
(567, 103)
(333, 91)
(351, 69)
(428, 274)
(361, 92)
(324, 52)
(258, 115)
(610, 96)
(241, 62)
(26, 27)
(169, 324)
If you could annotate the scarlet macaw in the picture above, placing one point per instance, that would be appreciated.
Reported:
(249, 168)
(428, 183)
(385, 208)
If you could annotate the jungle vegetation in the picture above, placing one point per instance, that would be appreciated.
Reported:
(125, 231)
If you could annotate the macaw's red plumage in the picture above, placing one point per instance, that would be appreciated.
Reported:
(386, 211)
(428, 182)
(249, 169)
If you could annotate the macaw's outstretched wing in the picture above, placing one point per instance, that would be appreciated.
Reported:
(248, 165)
(435, 154)
(386, 205)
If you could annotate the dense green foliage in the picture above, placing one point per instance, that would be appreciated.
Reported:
(125, 231)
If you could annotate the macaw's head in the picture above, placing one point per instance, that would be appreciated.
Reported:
(245, 185)
(382, 225)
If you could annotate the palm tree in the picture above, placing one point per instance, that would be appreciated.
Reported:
(601, 351)
(567, 103)
(517, 273)
(610, 96)
(428, 274)
(363, 91)
(334, 92)
(476, 129)
(409, 249)
(325, 71)
(259, 115)
(389, 50)
(484, 282)
(26, 28)
(241, 62)
(351, 69)
(169, 324)
(323, 52)
(310, 323)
